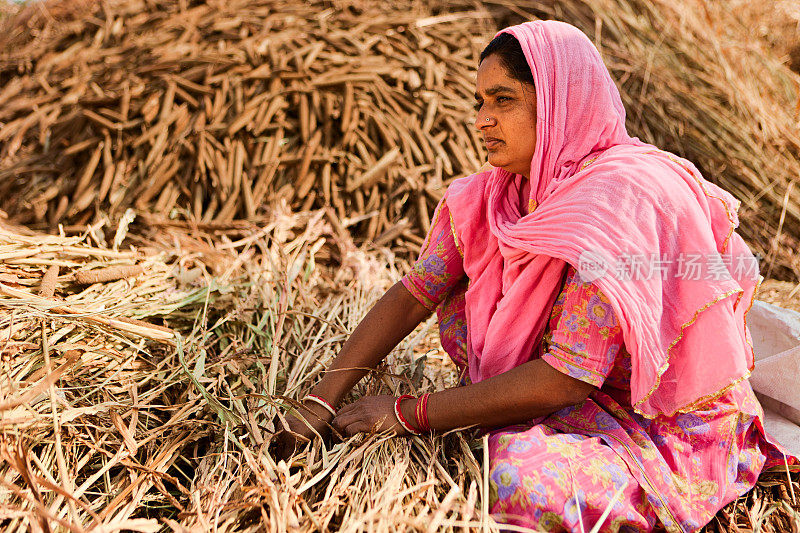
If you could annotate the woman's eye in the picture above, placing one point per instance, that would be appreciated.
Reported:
(503, 98)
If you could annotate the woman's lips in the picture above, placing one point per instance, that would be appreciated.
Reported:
(492, 143)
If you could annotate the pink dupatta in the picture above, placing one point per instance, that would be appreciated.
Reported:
(603, 195)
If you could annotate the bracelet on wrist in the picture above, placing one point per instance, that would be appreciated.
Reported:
(421, 413)
(320, 401)
(399, 414)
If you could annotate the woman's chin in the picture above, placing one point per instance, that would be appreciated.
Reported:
(499, 163)
(496, 160)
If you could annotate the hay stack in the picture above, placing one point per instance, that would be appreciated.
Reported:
(213, 111)
(91, 390)
(140, 389)
(150, 401)
(204, 112)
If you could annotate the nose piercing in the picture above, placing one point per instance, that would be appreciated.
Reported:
(487, 120)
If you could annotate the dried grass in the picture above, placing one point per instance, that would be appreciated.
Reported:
(781, 293)
(166, 422)
(203, 111)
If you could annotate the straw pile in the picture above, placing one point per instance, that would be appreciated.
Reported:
(780, 293)
(214, 110)
(775, 24)
(205, 111)
(150, 401)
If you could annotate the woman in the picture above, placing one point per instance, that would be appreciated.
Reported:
(604, 374)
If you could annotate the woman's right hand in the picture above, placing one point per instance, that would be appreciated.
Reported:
(287, 441)
(395, 315)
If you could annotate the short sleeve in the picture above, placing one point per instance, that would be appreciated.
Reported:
(440, 265)
(584, 336)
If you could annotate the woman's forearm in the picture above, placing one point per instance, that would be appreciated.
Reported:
(519, 395)
(393, 317)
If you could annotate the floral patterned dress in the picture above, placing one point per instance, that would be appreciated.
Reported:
(562, 471)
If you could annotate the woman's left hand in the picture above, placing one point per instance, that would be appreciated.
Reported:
(368, 414)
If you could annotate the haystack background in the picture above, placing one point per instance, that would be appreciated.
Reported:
(205, 112)
(243, 180)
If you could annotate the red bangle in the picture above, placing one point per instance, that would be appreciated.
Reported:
(400, 418)
(421, 413)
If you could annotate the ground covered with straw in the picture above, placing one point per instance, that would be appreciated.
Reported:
(150, 401)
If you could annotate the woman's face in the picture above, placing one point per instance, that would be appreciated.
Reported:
(506, 117)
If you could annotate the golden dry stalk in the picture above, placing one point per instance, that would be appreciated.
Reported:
(205, 112)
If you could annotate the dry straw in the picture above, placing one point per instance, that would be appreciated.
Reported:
(214, 110)
(153, 401)
(206, 111)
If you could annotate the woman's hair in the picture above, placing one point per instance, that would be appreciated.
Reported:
(508, 50)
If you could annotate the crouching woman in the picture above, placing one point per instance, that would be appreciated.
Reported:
(601, 366)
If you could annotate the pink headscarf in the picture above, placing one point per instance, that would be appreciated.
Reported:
(602, 194)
